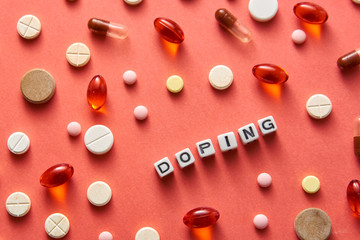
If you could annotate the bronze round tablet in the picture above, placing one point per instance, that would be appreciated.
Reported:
(313, 224)
(37, 86)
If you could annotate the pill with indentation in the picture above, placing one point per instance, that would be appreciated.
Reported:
(57, 225)
(18, 143)
(18, 204)
(99, 139)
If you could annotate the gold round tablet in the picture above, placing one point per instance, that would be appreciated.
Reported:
(313, 223)
(311, 184)
(175, 84)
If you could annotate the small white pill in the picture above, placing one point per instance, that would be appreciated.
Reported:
(18, 143)
(220, 77)
(133, 2)
(263, 10)
(105, 236)
(319, 106)
(129, 77)
(18, 204)
(298, 36)
(99, 139)
(29, 27)
(140, 112)
(99, 193)
(264, 180)
(74, 129)
(147, 233)
(261, 221)
(57, 225)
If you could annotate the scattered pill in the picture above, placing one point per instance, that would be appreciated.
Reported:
(99, 193)
(147, 233)
(106, 28)
(57, 225)
(201, 217)
(37, 86)
(353, 196)
(319, 106)
(133, 2)
(311, 184)
(270, 73)
(264, 180)
(310, 13)
(140, 113)
(267, 125)
(74, 129)
(261, 221)
(78, 54)
(298, 36)
(313, 223)
(129, 77)
(174, 84)
(356, 1)
(18, 204)
(99, 139)
(169, 30)
(163, 167)
(357, 137)
(263, 10)
(349, 60)
(221, 77)
(18, 143)
(97, 92)
(56, 175)
(105, 236)
(29, 27)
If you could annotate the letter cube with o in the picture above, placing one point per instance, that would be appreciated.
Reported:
(184, 158)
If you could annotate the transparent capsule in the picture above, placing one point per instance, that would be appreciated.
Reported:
(201, 217)
(270, 73)
(349, 60)
(169, 30)
(357, 137)
(56, 175)
(353, 196)
(310, 13)
(104, 27)
(97, 92)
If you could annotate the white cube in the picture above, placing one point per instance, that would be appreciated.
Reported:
(184, 158)
(267, 125)
(205, 148)
(164, 167)
(227, 141)
(248, 133)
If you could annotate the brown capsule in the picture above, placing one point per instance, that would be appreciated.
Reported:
(201, 217)
(270, 73)
(349, 60)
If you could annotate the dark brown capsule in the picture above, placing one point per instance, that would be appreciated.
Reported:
(201, 217)
(349, 60)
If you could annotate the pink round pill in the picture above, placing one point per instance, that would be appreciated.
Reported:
(264, 180)
(105, 236)
(261, 221)
(298, 36)
(129, 77)
(140, 112)
(74, 129)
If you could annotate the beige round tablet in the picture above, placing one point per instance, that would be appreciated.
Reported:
(78, 54)
(319, 106)
(311, 184)
(29, 27)
(18, 204)
(174, 84)
(57, 225)
(313, 224)
(221, 77)
(133, 2)
(147, 233)
(99, 193)
(37, 86)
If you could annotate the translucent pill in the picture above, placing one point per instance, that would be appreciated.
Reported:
(201, 217)
(353, 196)
(104, 27)
(56, 175)
(97, 92)
(310, 13)
(270, 73)
(169, 30)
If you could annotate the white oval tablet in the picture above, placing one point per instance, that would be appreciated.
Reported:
(133, 2)
(18, 143)
(57, 225)
(29, 27)
(99, 193)
(99, 139)
(18, 204)
(147, 233)
(319, 106)
(263, 10)
(78, 54)
(221, 77)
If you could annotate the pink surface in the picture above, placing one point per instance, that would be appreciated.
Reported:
(302, 146)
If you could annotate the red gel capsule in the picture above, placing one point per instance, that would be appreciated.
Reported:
(56, 175)
(270, 73)
(201, 217)
(353, 196)
(310, 13)
(96, 92)
(169, 30)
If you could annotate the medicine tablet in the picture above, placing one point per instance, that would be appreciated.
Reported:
(105, 236)
(29, 27)
(18, 143)
(37, 86)
(129, 77)
(263, 10)
(133, 2)
(356, 1)
(175, 84)
(57, 225)
(264, 180)
(319, 106)
(78, 54)
(221, 77)
(147, 233)
(74, 129)
(298, 36)
(18, 204)
(311, 184)
(140, 112)
(99, 193)
(313, 223)
(99, 139)
(261, 221)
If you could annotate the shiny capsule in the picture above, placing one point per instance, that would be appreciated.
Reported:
(104, 27)
(270, 73)
(96, 92)
(201, 217)
(57, 175)
(349, 60)
(310, 13)
(353, 196)
(169, 30)
(357, 137)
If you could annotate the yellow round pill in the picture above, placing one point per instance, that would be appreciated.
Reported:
(311, 184)
(175, 84)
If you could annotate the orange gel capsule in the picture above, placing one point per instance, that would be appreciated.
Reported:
(96, 93)
(353, 196)
(270, 73)
(56, 175)
(169, 30)
(349, 60)
(310, 13)
(201, 217)
(357, 137)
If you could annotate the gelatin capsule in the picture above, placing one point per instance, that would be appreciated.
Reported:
(349, 60)
(104, 27)
(270, 73)
(230, 23)
(353, 196)
(96, 93)
(169, 30)
(56, 175)
(357, 137)
(201, 217)
(310, 13)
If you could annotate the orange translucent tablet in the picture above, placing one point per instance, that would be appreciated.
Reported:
(310, 13)
(169, 30)
(56, 175)
(201, 217)
(96, 93)
(353, 196)
(270, 73)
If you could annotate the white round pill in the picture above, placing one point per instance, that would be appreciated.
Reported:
(29, 27)
(129, 77)
(57, 225)
(319, 106)
(298, 36)
(221, 77)
(147, 233)
(133, 2)
(99, 139)
(140, 112)
(99, 193)
(263, 10)
(78, 54)
(105, 236)
(18, 143)
(261, 221)
(74, 129)
(18, 204)
(264, 180)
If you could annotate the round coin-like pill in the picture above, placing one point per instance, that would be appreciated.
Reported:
(18, 143)
(263, 10)
(147, 233)
(78, 54)
(313, 223)
(133, 2)
(298, 36)
(261, 221)
(99, 193)
(29, 27)
(99, 139)
(74, 129)
(57, 225)
(264, 180)
(175, 84)
(129, 77)
(319, 106)
(18, 204)
(105, 236)
(311, 184)
(221, 77)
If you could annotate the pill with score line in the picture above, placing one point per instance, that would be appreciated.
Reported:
(99, 139)
(18, 143)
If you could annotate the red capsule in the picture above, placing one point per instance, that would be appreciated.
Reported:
(270, 73)
(201, 217)
(353, 196)
(310, 13)
(169, 30)
(57, 175)
(96, 93)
